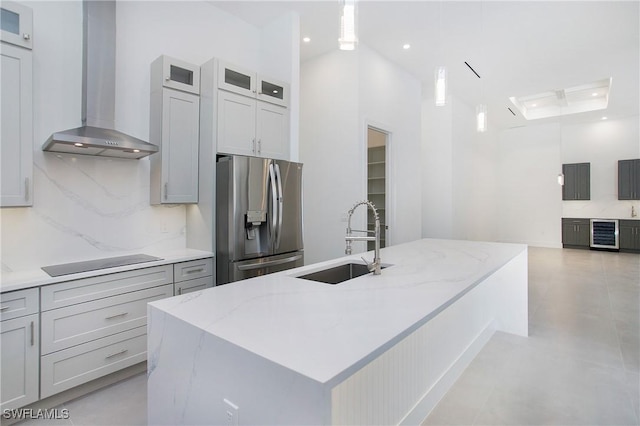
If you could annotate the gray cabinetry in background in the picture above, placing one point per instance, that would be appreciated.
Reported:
(575, 233)
(19, 348)
(16, 110)
(629, 179)
(577, 181)
(175, 128)
(630, 235)
(252, 115)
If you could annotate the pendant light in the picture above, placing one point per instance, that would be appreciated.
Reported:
(481, 118)
(440, 88)
(348, 38)
(481, 109)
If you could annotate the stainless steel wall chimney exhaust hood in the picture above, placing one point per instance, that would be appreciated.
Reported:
(97, 135)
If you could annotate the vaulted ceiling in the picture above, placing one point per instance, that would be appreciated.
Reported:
(518, 48)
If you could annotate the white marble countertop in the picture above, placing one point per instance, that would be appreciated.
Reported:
(297, 323)
(19, 280)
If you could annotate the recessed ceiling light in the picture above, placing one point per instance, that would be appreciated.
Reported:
(306, 39)
(604, 118)
(570, 100)
(406, 46)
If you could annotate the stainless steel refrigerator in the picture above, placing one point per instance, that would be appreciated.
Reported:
(258, 217)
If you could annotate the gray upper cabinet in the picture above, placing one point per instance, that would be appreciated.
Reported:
(629, 179)
(577, 181)
(252, 115)
(16, 116)
(16, 24)
(175, 128)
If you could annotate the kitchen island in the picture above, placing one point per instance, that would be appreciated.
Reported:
(377, 349)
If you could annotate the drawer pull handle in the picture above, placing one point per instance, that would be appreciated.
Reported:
(4, 308)
(194, 271)
(117, 316)
(33, 334)
(117, 353)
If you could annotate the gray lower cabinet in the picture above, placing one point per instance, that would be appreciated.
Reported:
(577, 181)
(19, 348)
(95, 326)
(629, 235)
(192, 276)
(629, 179)
(576, 233)
(59, 336)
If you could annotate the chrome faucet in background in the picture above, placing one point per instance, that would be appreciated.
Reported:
(375, 265)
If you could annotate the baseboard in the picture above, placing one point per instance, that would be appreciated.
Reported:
(427, 403)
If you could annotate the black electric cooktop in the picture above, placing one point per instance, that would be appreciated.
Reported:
(97, 264)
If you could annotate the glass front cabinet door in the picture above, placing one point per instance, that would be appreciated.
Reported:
(236, 79)
(273, 91)
(16, 24)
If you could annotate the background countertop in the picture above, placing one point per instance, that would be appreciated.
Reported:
(19, 280)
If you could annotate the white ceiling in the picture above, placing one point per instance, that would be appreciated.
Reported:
(518, 48)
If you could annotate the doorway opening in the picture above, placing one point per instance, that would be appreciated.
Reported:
(377, 182)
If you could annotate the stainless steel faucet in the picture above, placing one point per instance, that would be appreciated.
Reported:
(375, 265)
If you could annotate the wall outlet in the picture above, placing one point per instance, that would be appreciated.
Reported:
(231, 412)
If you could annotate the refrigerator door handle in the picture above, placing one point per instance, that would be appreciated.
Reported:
(280, 205)
(261, 265)
(274, 205)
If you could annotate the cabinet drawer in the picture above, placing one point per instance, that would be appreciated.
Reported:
(193, 269)
(18, 303)
(185, 287)
(71, 367)
(87, 289)
(572, 221)
(77, 324)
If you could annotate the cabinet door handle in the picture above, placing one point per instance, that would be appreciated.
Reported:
(33, 337)
(194, 271)
(117, 315)
(4, 308)
(253, 144)
(26, 189)
(179, 291)
(166, 190)
(26, 36)
(117, 353)
(259, 146)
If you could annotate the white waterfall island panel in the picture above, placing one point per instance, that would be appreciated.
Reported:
(374, 349)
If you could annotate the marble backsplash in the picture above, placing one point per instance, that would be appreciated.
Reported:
(87, 207)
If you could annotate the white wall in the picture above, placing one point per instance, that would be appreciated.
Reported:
(502, 186)
(437, 170)
(330, 150)
(458, 172)
(602, 144)
(88, 207)
(529, 198)
(341, 93)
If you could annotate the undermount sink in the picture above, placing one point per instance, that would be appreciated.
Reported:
(338, 274)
